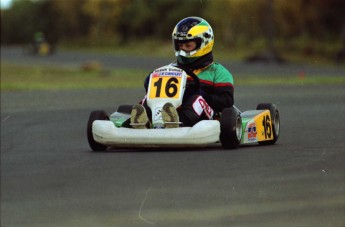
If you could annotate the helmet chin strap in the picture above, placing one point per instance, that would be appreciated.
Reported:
(198, 63)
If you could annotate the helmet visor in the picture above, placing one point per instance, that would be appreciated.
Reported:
(178, 43)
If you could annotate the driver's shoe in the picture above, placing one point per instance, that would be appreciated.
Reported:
(139, 119)
(170, 116)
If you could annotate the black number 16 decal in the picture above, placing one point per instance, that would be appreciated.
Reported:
(266, 122)
(170, 87)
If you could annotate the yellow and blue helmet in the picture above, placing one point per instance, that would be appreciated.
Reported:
(192, 29)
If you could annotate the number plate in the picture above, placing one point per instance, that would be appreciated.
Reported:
(265, 127)
(165, 85)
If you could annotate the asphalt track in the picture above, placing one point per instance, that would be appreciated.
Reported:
(49, 176)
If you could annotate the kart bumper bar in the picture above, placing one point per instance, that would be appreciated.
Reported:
(201, 134)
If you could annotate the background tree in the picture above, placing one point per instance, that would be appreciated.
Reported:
(311, 25)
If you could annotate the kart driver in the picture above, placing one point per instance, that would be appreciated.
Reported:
(193, 42)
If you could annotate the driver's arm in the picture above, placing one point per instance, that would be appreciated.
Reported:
(217, 88)
(218, 97)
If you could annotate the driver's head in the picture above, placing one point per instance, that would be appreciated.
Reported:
(192, 38)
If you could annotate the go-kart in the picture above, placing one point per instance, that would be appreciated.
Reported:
(167, 84)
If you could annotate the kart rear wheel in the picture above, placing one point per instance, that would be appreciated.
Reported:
(275, 121)
(230, 128)
(95, 115)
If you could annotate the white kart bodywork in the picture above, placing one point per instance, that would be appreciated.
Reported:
(201, 134)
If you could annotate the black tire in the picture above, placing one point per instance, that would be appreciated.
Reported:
(275, 121)
(230, 128)
(95, 115)
(125, 109)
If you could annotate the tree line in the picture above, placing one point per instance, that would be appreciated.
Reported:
(235, 22)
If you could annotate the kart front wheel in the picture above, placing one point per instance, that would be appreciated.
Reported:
(230, 128)
(125, 109)
(275, 121)
(95, 115)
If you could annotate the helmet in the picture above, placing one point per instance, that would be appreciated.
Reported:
(192, 29)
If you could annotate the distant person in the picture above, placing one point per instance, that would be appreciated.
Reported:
(40, 45)
(193, 41)
(39, 39)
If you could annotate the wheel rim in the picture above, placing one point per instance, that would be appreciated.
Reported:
(239, 128)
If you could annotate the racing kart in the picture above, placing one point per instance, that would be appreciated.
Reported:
(167, 84)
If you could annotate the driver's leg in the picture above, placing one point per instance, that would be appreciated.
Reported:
(139, 118)
(192, 110)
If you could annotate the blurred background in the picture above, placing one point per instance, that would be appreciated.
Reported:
(260, 30)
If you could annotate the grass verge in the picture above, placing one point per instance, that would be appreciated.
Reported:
(16, 77)
(19, 77)
(261, 80)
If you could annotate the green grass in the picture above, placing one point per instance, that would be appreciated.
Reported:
(16, 77)
(19, 77)
(259, 80)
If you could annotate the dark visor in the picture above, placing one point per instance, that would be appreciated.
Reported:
(177, 42)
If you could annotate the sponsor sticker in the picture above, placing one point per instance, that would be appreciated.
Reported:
(200, 105)
(252, 132)
(158, 114)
